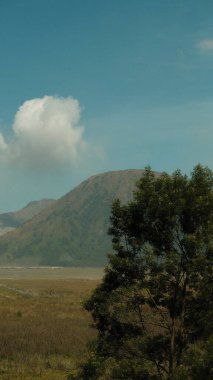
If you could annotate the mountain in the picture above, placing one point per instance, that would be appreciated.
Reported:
(11, 220)
(73, 230)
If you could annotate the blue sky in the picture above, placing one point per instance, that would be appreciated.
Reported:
(88, 86)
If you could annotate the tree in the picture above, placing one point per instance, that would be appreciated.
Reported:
(153, 309)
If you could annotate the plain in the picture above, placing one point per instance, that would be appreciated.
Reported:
(44, 329)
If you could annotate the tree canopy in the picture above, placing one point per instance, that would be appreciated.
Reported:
(153, 309)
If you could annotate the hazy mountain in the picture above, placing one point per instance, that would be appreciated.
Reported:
(73, 230)
(11, 220)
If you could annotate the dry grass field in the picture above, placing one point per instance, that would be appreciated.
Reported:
(43, 327)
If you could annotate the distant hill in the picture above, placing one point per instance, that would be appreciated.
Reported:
(11, 220)
(73, 230)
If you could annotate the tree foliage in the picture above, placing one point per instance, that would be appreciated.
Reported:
(153, 310)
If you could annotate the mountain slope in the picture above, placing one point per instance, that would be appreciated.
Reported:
(73, 230)
(12, 220)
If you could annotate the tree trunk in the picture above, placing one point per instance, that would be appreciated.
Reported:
(172, 350)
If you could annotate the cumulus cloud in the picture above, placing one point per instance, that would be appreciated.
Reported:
(3, 145)
(205, 45)
(46, 133)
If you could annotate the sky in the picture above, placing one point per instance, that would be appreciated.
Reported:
(89, 86)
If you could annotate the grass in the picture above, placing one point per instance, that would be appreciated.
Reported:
(43, 327)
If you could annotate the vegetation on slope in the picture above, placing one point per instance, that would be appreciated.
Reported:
(72, 231)
(12, 220)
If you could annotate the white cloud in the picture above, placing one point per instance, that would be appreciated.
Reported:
(3, 145)
(46, 134)
(205, 45)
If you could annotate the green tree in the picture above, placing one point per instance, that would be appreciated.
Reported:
(153, 309)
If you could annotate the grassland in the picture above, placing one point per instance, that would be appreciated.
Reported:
(43, 327)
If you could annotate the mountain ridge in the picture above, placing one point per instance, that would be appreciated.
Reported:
(73, 230)
(13, 219)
